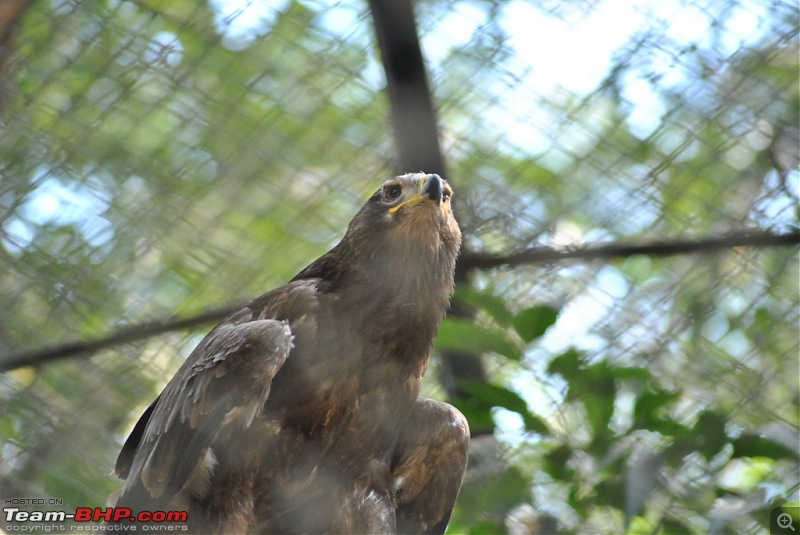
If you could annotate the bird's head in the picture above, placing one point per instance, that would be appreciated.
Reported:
(395, 265)
(404, 238)
(409, 221)
(416, 208)
(411, 235)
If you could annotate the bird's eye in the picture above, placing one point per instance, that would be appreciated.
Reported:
(447, 193)
(392, 192)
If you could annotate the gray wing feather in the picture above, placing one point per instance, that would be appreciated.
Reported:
(224, 382)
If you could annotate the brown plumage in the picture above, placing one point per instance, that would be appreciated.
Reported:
(300, 413)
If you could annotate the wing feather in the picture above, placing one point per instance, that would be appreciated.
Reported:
(224, 382)
(125, 458)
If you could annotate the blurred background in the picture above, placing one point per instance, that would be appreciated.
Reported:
(625, 337)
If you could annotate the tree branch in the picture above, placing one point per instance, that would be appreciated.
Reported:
(413, 115)
(416, 137)
(469, 261)
(125, 335)
(543, 255)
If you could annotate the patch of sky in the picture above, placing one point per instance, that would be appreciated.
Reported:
(736, 344)
(455, 29)
(584, 312)
(242, 21)
(510, 425)
(57, 202)
(346, 21)
(715, 327)
(647, 105)
(164, 47)
(553, 54)
(778, 203)
(571, 52)
(543, 397)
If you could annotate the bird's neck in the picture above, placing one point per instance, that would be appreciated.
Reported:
(399, 294)
(405, 308)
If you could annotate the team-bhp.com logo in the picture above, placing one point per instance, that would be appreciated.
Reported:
(113, 518)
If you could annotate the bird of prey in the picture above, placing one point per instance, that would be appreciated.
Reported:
(300, 412)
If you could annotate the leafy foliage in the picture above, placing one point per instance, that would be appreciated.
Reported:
(163, 158)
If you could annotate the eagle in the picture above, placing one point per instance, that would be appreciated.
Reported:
(300, 413)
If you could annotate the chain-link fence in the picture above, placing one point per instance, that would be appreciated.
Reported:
(626, 179)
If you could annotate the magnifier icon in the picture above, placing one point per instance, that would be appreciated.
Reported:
(785, 521)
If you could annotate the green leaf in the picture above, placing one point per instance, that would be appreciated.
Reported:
(598, 397)
(664, 426)
(478, 415)
(762, 319)
(679, 449)
(648, 404)
(566, 364)
(532, 322)
(631, 373)
(486, 526)
(462, 335)
(753, 445)
(710, 432)
(594, 386)
(493, 305)
(576, 499)
(8, 429)
(639, 524)
(483, 505)
(498, 396)
(675, 527)
(556, 463)
(611, 492)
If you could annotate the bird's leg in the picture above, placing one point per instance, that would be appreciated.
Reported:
(429, 465)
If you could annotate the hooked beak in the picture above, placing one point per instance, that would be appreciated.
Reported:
(428, 187)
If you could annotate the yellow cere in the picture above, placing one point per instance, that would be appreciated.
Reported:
(417, 198)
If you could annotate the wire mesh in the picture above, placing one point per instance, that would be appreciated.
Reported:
(166, 158)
